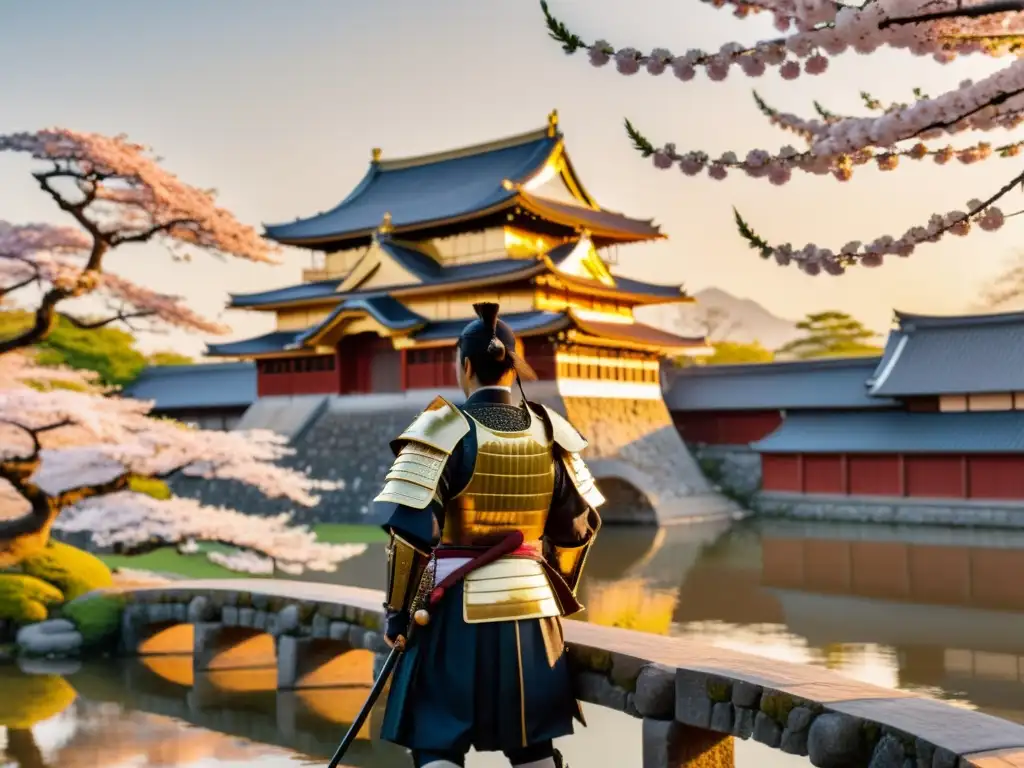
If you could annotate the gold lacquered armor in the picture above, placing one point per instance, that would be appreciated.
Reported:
(569, 561)
(511, 588)
(421, 452)
(510, 490)
(406, 565)
(585, 484)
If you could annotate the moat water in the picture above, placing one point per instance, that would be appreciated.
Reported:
(939, 612)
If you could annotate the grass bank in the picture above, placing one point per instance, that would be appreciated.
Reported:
(197, 566)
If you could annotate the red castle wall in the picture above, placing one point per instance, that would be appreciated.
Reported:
(726, 427)
(991, 477)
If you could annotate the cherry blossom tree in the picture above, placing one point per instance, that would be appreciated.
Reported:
(73, 455)
(117, 195)
(812, 33)
(73, 458)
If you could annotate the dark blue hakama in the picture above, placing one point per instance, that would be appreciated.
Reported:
(496, 686)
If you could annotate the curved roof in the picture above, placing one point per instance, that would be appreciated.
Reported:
(389, 312)
(422, 266)
(422, 190)
(637, 333)
(967, 354)
(460, 185)
(275, 341)
(804, 384)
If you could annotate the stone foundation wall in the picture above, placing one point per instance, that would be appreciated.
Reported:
(735, 469)
(633, 445)
(945, 512)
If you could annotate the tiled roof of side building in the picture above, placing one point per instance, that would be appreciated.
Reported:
(897, 432)
(275, 341)
(969, 354)
(822, 384)
(422, 190)
(209, 385)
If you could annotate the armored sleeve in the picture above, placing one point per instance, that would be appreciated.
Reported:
(414, 493)
(573, 521)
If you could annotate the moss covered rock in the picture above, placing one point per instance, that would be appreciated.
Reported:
(24, 599)
(73, 570)
(97, 617)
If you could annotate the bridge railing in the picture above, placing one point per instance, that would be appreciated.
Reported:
(693, 699)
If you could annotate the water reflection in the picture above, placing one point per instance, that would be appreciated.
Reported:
(936, 611)
(129, 715)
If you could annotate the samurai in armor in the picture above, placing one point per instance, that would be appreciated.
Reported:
(491, 516)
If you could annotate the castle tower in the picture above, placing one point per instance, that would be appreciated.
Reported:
(367, 338)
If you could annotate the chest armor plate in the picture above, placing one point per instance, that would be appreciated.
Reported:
(511, 488)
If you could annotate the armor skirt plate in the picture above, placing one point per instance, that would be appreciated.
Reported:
(494, 686)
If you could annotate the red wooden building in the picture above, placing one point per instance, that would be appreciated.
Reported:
(734, 405)
(940, 415)
(405, 255)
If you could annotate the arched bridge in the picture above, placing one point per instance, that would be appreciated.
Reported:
(693, 699)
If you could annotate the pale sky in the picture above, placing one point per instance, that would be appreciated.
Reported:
(277, 103)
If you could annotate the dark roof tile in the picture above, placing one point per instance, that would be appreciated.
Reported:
(830, 383)
(209, 385)
(275, 341)
(419, 191)
(897, 432)
(953, 355)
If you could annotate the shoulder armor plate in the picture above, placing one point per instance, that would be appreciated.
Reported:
(440, 427)
(421, 453)
(562, 432)
(584, 481)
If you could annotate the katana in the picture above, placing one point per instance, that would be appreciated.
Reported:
(375, 691)
(427, 597)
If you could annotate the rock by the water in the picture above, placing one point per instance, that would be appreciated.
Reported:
(55, 636)
(61, 667)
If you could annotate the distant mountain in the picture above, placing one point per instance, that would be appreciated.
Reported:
(723, 317)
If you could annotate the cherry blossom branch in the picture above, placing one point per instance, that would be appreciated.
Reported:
(813, 259)
(823, 28)
(959, 12)
(778, 168)
(121, 316)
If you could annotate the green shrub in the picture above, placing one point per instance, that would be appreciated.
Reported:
(73, 570)
(24, 599)
(97, 617)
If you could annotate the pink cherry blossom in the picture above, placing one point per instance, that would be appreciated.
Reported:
(130, 520)
(118, 196)
(60, 435)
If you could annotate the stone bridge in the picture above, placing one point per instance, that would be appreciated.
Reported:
(693, 699)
